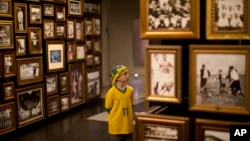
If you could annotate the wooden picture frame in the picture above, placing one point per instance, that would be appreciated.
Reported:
(29, 70)
(48, 10)
(89, 60)
(60, 11)
(64, 83)
(60, 30)
(96, 26)
(76, 83)
(97, 59)
(88, 27)
(97, 49)
(55, 55)
(6, 8)
(48, 29)
(35, 12)
(71, 51)
(51, 84)
(89, 45)
(80, 51)
(163, 79)
(6, 32)
(21, 17)
(219, 79)
(35, 40)
(70, 29)
(79, 28)
(8, 91)
(30, 105)
(53, 106)
(93, 83)
(187, 27)
(7, 118)
(65, 103)
(176, 127)
(21, 43)
(9, 64)
(231, 24)
(91, 8)
(74, 8)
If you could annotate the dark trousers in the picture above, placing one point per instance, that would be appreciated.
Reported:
(121, 137)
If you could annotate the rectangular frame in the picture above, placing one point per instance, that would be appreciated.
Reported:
(6, 8)
(97, 26)
(21, 17)
(35, 40)
(80, 51)
(146, 124)
(218, 91)
(51, 84)
(53, 106)
(60, 30)
(64, 83)
(6, 28)
(91, 8)
(8, 90)
(55, 55)
(88, 23)
(93, 83)
(79, 28)
(163, 69)
(64, 103)
(21, 43)
(218, 29)
(9, 64)
(73, 9)
(70, 29)
(29, 70)
(71, 51)
(48, 10)
(97, 49)
(35, 14)
(60, 11)
(8, 122)
(34, 111)
(187, 28)
(48, 29)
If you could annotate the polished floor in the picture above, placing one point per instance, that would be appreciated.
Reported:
(74, 125)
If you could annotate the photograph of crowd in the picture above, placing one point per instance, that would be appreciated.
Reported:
(160, 133)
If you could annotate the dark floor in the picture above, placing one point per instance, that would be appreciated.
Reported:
(72, 125)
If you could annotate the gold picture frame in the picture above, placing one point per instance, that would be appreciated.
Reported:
(35, 40)
(6, 8)
(75, 8)
(9, 64)
(48, 10)
(51, 84)
(48, 29)
(10, 120)
(53, 106)
(6, 32)
(93, 83)
(8, 90)
(64, 83)
(21, 17)
(35, 14)
(21, 43)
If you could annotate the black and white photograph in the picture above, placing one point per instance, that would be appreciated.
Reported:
(88, 27)
(21, 45)
(35, 40)
(6, 8)
(74, 8)
(6, 34)
(70, 29)
(65, 103)
(89, 60)
(21, 17)
(89, 45)
(159, 133)
(9, 64)
(216, 135)
(97, 26)
(8, 90)
(79, 30)
(7, 118)
(97, 59)
(93, 84)
(48, 30)
(51, 84)
(91, 7)
(64, 82)
(35, 14)
(59, 13)
(60, 30)
(52, 105)
(97, 46)
(48, 10)
(29, 71)
(80, 51)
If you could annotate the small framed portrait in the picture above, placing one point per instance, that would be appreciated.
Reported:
(35, 14)
(51, 83)
(88, 27)
(60, 13)
(70, 29)
(89, 60)
(9, 65)
(96, 59)
(6, 33)
(60, 30)
(8, 91)
(7, 117)
(89, 45)
(55, 55)
(80, 51)
(93, 86)
(35, 40)
(29, 70)
(48, 10)
(53, 106)
(6, 8)
(21, 43)
(71, 50)
(97, 46)
(48, 29)
(65, 103)
(96, 26)
(64, 82)
(21, 17)
(79, 34)
(74, 8)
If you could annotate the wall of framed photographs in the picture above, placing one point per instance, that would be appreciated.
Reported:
(50, 58)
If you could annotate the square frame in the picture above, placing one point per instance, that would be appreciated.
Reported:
(163, 69)
(218, 30)
(6, 29)
(64, 103)
(188, 28)
(21, 43)
(35, 40)
(21, 17)
(35, 14)
(9, 64)
(48, 29)
(9, 120)
(8, 11)
(74, 8)
(93, 83)
(219, 91)
(60, 11)
(53, 106)
(51, 84)
(48, 10)
(8, 90)
(64, 83)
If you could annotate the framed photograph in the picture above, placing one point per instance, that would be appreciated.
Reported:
(164, 74)
(64, 103)
(80, 51)
(9, 64)
(48, 29)
(30, 105)
(35, 40)
(92, 8)
(21, 43)
(8, 91)
(6, 8)
(29, 70)
(70, 29)
(7, 118)
(76, 83)
(161, 127)
(74, 8)
(93, 84)
(219, 79)
(89, 45)
(96, 59)
(178, 19)
(88, 27)
(53, 106)
(51, 83)
(60, 13)
(48, 10)
(60, 30)
(71, 50)
(55, 55)
(6, 33)
(96, 26)
(20, 17)
(35, 14)
(97, 46)
(226, 20)
(79, 30)
(64, 82)
(89, 60)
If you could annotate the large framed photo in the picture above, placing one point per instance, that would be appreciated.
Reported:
(93, 84)
(35, 40)
(55, 55)
(21, 17)
(227, 19)
(219, 79)
(8, 90)
(9, 64)
(7, 118)
(176, 19)
(48, 10)
(6, 34)
(29, 70)
(76, 83)
(6, 8)
(60, 13)
(64, 82)
(53, 106)
(48, 29)
(64, 103)
(157, 127)
(74, 8)
(21, 43)
(35, 14)
(51, 83)
(163, 73)
(30, 105)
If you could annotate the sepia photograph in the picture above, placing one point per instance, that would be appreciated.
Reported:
(80, 51)
(35, 40)
(64, 82)
(96, 26)
(71, 51)
(65, 103)
(88, 27)
(89, 60)
(53, 106)
(74, 8)
(91, 7)
(35, 15)
(48, 10)
(70, 29)
(6, 34)
(79, 30)
(60, 13)
(8, 91)
(48, 29)
(21, 17)
(51, 83)
(93, 83)
(7, 118)
(21, 45)
(97, 46)
(6, 8)
(9, 64)
(60, 30)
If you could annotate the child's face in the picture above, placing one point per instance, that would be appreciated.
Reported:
(124, 77)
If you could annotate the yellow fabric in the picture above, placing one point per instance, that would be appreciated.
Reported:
(118, 71)
(120, 118)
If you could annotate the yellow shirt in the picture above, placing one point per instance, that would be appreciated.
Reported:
(120, 104)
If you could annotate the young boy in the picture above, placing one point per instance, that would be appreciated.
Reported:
(119, 103)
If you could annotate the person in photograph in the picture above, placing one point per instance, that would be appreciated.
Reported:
(223, 21)
(204, 75)
(4, 38)
(235, 22)
(234, 79)
(8, 64)
(71, 52)
(20, 18)
(71, 31)
(7, 91)
(119, 102)
(222, 82)
(49, 30)
(4, 7)
(34, 40)
(20, 45)
(78, 31)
